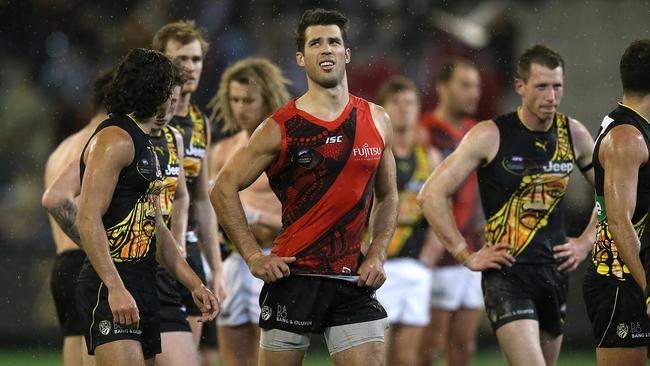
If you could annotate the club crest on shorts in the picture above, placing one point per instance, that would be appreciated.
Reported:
(622, 330)
(104, 327)
(266, 312)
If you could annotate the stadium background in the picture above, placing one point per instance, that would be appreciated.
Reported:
(50, 50)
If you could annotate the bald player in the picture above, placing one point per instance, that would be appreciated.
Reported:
(249, 91)
(70, 257)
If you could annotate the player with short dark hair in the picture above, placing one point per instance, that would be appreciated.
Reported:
(615, 280)
(328, 158)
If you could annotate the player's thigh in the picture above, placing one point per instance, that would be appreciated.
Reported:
(519, 342)
(239, 344)
(633, 356)
(463, 326)
(404, 344)
(178, 348)
(551, 344)
(122, 352)
(367, 354)
(196, 327)
(281, 358)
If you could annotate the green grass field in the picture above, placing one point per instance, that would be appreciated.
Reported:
(12, 357)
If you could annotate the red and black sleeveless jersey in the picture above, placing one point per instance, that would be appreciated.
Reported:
(324, 176)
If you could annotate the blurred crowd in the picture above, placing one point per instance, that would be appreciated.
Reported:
(53, 49)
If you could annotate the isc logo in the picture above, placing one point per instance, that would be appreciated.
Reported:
(333, 139)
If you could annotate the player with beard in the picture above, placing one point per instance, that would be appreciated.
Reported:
(524, 160)
(405, 295)
(184, 44)
(249, 91)
(326, 154)
(456, 296)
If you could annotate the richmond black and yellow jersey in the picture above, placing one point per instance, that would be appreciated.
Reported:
(411, 231)
(521, 189)
(605, 258)
(195, 139)
(129, 220)
(166, 148)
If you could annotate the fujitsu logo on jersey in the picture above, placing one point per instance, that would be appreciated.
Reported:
(367, 152)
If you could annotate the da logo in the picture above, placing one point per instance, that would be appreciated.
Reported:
(105, 327)
(622, 330)
(266, 312)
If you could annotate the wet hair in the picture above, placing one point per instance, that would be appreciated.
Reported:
(142, 82)
(100, 87)
(261, 73)
(320, 16)
(635, 67)
(182, 31)
(448, 68)
(538, 54)
(394, 85)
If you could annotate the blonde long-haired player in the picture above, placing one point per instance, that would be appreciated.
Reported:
(249, 91)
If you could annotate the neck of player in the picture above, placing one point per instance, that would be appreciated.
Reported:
(146, 125)
(446, 114)
(183, 105)
(639, 103)
(534, 123)
(403, 140)
(325, 103)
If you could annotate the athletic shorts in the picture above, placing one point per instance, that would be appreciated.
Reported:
(456, 287)
(616, 311)
(195, 261)
(405, 294)
(62, 284)
(241, 306)
(97, 318)
(209, 337)
(310, 304)
(526, 291)
(172, 311)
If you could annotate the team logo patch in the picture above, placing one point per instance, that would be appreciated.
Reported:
(622, 330)
(266, 312)
(307, 158)
(104, 327)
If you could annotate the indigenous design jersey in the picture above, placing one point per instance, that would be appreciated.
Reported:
(130, 218)
(523, 186)
(195, 139)
(324, 176)
(412, 228)
(605, 258)
(466, 205)
(166, 149)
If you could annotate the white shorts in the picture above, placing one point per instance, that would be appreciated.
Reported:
(405, 294)
(456, 287)
(242, 293)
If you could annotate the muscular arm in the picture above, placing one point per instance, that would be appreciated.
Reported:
(384, 213)
(169, 256)
(236, 175)
(205, 217)
(181, 199)
(108, 153)
(621, 153)
(478, 147)
(58, 199)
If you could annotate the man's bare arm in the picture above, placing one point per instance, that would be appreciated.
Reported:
(237, 174)
(108, 153)
(169, 256)
(479, 146)
(181, 199)
(58, 199)
(622, 152)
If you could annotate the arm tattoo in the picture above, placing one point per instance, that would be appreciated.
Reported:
(66, 216)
